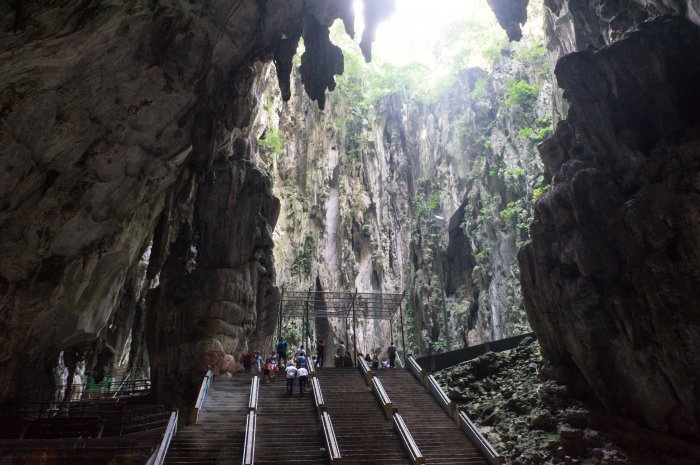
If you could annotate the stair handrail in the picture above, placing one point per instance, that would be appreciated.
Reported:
(383, 397)
(331, 441)
(442, 398)
(366, 371)
(473, 433)
(416, 369)
(206, 382)
(311, 368)
(407, 439)
(121, 385)
(159, 456)
(318, 395)
(254, 393)
(249, 442)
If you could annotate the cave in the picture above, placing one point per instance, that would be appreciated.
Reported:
(168, 169)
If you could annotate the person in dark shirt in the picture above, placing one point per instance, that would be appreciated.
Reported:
(392, 354)
(282, 350)
(321, 352)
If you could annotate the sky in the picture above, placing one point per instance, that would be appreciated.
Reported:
(411, 32)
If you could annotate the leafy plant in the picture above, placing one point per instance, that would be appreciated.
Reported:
(521, 93)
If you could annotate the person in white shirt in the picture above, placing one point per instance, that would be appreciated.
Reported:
(303, 375)
(291, 373)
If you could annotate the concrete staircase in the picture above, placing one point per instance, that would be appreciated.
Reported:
(364, 434)
(218, 437)
(435, 433)
(288, 428)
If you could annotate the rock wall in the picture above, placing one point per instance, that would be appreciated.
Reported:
(119, 121)
(398, 194)
(610, 278)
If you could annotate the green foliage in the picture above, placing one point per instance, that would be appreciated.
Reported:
(510, 212)
(483, 255)
(521, 93)
(272, 145)
(479, 90)
(538, 191)
(304, 257)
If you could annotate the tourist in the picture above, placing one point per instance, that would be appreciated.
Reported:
(368, 359)
(392, 354)
(340, 355)
(385, 362)
(290, 373)
(347, 360)
(301, 360)
(282, 349)
(320, 352)
(267, 369)
(375, 362)
(303, 375)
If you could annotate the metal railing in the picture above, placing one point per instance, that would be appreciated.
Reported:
(318, 396)
(416, 369)
(254, 393)
(159, 456)
(331, 441)
(444, 360)
(366, 371)
(407, 439)
(441, 397)
(249, 443)
(479, 440)
(383, 397)
(206, 382)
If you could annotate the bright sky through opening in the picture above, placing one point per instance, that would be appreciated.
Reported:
(411, 33)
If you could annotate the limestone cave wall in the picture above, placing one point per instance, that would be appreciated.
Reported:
(124, 129)
(610, 278)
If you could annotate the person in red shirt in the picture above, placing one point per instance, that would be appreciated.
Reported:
(320, 352)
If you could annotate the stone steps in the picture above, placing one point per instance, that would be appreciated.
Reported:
(435, 433)
(218, 437)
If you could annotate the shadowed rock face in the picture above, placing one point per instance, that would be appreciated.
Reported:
(611, 276)
(111, 117)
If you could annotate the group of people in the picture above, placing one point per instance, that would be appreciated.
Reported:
(297, 366)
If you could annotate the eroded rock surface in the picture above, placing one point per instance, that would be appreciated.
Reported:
(610, 279)
(111, 117)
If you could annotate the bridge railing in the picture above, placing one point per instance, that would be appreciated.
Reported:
(159, 455)
(204, 388)
(383, 397)
(407, 439)
(331, 441)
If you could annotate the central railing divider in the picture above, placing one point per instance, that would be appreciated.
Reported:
(331, 441)
(206, 382)
(366, 371)
(251, 422)
(383, 397)
(407, 439)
